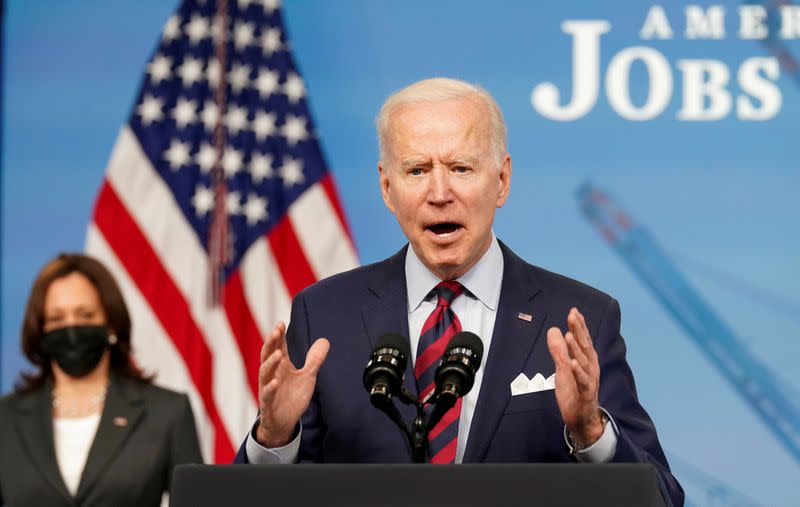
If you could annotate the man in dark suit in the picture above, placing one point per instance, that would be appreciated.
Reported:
(444, 169)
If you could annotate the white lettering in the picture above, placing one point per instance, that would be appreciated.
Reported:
(702, 24)
(766, 91)
(585, 74)
(751, 22)
(656, 24)
(790, 21)
(696, 88)
(618, 89)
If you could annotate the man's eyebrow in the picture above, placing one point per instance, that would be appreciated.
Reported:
(415, 162)
(461, 160)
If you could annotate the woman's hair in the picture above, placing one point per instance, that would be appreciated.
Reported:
(117, 318)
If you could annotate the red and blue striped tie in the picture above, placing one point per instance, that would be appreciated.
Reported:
(437, 331)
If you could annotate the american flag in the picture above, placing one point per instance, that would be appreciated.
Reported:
(217, 208)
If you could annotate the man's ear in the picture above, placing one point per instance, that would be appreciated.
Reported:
(504, 180)
(385, 190)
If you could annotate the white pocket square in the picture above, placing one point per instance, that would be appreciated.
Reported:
(523, 385)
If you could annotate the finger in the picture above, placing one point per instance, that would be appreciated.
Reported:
(316, 356)
(575, 350)
(557, 347)
(266, 372)
(558, 351)
(273, 341)
(578, 327)
(269, 391)
(282, 326)
(582, 378)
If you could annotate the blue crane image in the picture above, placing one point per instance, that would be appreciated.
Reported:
(763, 392)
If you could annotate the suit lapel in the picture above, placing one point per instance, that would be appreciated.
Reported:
(386, 311)
(123, 409)
(34, 421)
(512, 341)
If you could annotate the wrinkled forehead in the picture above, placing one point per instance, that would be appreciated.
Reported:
(455, 126)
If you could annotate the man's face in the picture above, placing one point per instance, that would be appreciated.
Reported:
(442, 183)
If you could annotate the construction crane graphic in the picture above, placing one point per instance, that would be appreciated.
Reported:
(770, 398)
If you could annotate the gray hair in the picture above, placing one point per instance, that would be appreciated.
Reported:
(442, 89)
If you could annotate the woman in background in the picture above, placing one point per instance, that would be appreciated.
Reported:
(88, 428)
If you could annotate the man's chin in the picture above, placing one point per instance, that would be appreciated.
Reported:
(448, 268)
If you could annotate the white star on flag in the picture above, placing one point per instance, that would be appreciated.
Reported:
(160, 69)
(267, 83)
(270, 5)
(206, 157)
(236, 119)
(197, 29)
(150, 110)
(294, 129)
(190, 71)
(292, 172)
(203, 200)
(172, 29)
(233, 203)
(271, 41)
(212, 72)
(255, 209)
(243, 35)
(260, 167)
(185, 112)
(231, 161)
(209, 115)
(177, 155)
(239, 77)
(294, 88)
(264, 125)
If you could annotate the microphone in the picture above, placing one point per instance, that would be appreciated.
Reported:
(383, 376)
(456, 373)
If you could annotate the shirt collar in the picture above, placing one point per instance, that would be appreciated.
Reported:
(483, 280)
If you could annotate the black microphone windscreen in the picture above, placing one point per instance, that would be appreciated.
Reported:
(393, 341)
(467, 340)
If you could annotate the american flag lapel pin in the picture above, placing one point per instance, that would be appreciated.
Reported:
(524, 316)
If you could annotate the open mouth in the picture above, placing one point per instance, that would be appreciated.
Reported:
(444, 228)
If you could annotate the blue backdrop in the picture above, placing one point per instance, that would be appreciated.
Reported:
(718, 195)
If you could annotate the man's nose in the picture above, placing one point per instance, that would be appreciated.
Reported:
(440, 190)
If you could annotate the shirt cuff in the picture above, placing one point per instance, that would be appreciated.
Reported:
(260, 455)
(601, 451)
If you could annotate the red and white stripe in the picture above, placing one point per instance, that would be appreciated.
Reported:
(212, 353)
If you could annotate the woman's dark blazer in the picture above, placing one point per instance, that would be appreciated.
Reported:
(144, 432)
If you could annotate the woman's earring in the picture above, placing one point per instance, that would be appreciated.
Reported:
(112, 339)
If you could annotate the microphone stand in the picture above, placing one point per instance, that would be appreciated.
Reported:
(418, 436)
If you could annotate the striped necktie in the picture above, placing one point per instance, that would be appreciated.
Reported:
(437, 331)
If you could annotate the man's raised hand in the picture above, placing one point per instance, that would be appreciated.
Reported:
(577, 379)
(284, 391)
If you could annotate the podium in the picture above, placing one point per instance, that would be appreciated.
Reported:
(479, 485)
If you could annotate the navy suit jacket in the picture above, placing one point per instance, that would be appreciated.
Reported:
(353, 309)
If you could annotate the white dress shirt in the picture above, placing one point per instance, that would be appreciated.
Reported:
(476, 309)
(73, 438)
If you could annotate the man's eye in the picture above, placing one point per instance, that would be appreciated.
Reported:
(462, 169)
(415, 171)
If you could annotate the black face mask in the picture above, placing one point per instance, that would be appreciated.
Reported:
(76, 349)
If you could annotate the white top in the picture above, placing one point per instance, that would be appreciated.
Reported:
(73, 438)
